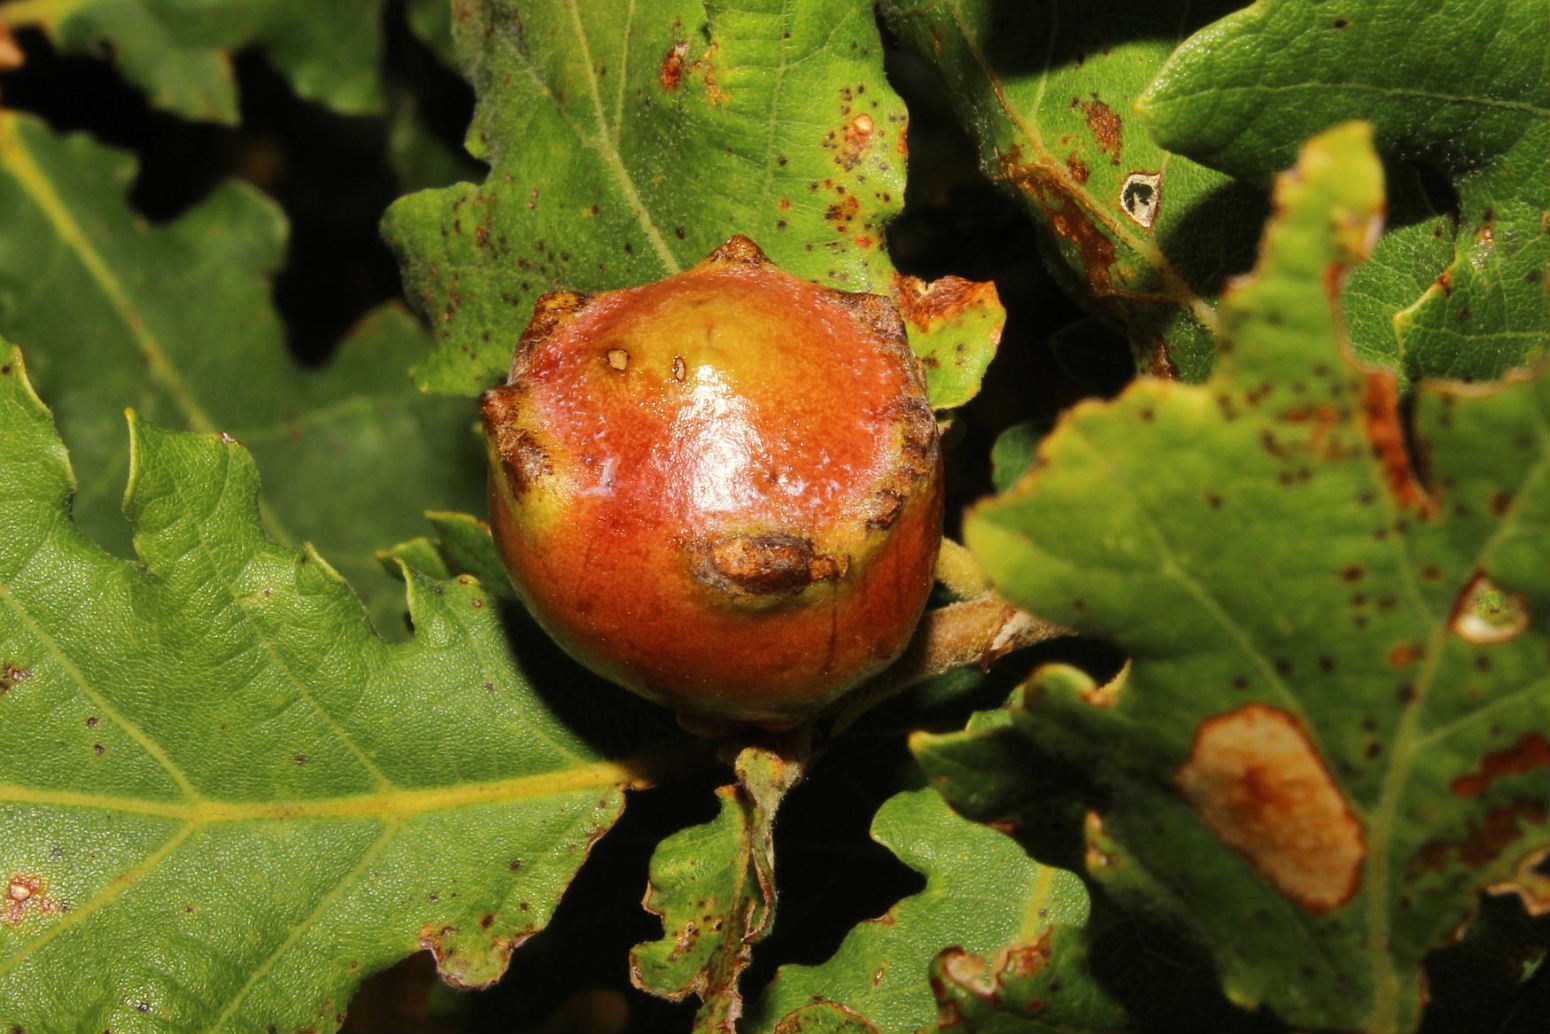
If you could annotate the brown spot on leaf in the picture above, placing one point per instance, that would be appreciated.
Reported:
(940, 301)
(671, 72)
(26, 894)
(843, 212)
(705, 67)
(820, 1016)
(1088, 246)
(450, 964)
(1404, 655)
(11, 674)
(1105, 126)
(1484, 841)
(1530, 752)
(987, 977)
(1386, 433)
(1256, 780)
(856, 141)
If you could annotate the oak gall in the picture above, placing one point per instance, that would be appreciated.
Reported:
(721, 490)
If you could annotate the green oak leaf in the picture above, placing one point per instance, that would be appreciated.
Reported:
(224, 800)
(431, 22)
(1460, 86)
(177, 321)
(180, 51)
(1041, 986)
(714, 887)
(463, 545)
(988, 774)
(1013, 452)
(1146, 238)
(982, 894)
(955, 326)
(626, 142)
(1320, 750)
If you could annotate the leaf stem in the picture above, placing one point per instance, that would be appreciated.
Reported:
(975, 631)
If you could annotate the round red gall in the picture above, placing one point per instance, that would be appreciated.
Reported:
(721, 490)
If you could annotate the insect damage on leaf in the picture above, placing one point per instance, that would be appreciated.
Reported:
(26, 896)
(1485, 614)
(1260, 785)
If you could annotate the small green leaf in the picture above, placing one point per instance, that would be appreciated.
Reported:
(982, 894)
(176, 320)
(421, 554)
(181, 53)
(467, 547)
(714, 887)
(228, 801)
(1460, 86)
(1146, 238)
(431, 21)
(955, 327)
(1013, 452)
(1313, 733)
(988, 774)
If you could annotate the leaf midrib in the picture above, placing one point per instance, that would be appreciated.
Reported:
(18, 159)
(1178, 290)
(1407, 742)
(400, 803)
(608, 147)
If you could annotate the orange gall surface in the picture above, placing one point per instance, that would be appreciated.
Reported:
(721, 490)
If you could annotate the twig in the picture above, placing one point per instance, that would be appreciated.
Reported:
(976, 631)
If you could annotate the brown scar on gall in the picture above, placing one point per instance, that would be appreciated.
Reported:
(768, 565)
(516, 449)
(1255, 779)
